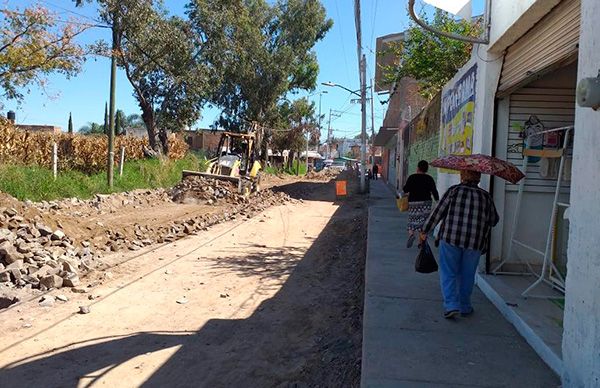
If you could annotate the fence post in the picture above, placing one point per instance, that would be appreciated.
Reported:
(55, 160)
(121, 161)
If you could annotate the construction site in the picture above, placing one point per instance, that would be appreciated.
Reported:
(197, 272)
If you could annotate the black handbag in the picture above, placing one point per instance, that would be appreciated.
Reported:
(425, 262)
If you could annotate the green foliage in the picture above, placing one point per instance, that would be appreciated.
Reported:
(37, 183)
(70, 130)
(429, 58)
(106, 119)
(297, 168)
(92, 128)
(261, 51)
(160, 56)
(298, 118)
(33, 45)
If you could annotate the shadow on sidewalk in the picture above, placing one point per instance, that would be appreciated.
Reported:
(308, 334)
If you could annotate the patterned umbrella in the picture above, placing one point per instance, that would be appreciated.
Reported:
(482, 163)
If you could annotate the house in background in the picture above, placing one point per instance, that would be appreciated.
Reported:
(404, 104)
(39, 128)
(202, 140)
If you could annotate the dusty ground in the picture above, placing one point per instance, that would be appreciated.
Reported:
(271, 301)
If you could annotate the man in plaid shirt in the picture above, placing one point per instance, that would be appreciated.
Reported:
(467, 214)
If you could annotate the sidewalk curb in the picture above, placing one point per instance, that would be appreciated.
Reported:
(553, 360)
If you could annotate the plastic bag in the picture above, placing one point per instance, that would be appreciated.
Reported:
(425, 262)
(402, 203)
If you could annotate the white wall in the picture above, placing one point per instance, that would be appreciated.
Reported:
(581, 339)
(510, 19)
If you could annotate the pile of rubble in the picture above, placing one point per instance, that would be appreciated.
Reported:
(323, 175)
(198, 189)
(36, 256)
(103, 203)
(33, 255)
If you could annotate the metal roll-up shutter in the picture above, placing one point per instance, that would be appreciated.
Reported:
(551, 43)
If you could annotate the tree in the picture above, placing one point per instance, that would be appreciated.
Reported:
(159, 55)
(106, 117)
(296, 119)
(429, 58)
(92, 128)
(70, 124)
(118, 123)
(262, 51)
(33, 44)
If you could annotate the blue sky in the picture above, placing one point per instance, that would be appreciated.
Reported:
(86, 94)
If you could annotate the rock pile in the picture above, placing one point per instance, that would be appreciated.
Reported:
(103, 203)
(198, 189)
(35, 256)
(323, 175)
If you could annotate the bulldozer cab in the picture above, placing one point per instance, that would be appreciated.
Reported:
(236, 154)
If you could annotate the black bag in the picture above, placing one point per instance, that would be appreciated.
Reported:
(425, 260)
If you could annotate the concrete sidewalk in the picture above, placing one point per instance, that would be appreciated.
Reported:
(407, 342)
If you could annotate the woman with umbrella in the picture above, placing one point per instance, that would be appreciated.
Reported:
(467, 214)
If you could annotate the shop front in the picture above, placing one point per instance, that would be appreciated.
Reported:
(525, 269)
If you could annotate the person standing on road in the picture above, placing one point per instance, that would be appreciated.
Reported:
(375, 171)
(420, 188)
(467, 213)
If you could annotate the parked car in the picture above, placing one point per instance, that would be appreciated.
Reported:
(338, 165)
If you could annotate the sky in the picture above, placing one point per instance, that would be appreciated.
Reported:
(85, 95)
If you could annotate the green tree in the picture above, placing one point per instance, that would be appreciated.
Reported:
(119, 130)
(70, 123)
(429, 58)
(92, 128)
(33, 44)
(161, 59)
(262, 52)
(106, 118)
(296, 119)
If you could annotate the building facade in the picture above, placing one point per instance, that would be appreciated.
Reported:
(516, 99)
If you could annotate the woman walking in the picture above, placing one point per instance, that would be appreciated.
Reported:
(467, 214)
(420, 188)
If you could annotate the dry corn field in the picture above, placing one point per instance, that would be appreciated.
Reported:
(75, 152)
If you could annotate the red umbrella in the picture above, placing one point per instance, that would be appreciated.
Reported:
(481, 163)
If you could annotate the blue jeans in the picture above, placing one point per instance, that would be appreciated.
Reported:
(457, 276)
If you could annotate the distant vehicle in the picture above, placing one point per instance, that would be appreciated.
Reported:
(337, 165)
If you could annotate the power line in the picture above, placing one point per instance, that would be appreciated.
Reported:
(373, 23)
(337, 10)
(70, 11)
(71, 22)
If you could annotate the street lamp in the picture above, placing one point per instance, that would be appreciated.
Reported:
(332, 84)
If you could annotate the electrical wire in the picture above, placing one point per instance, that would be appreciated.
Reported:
(70, 11)
(71, 22)
(337, 10)
(373, 22)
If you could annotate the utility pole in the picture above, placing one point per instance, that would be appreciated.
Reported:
(329, 136)
(113, 85)
(363, 95)
(319, 124)
(330, 131)
(372, 121)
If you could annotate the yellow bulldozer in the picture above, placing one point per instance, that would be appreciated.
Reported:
(236, 161)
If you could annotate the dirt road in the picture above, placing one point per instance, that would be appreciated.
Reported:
(272, 301)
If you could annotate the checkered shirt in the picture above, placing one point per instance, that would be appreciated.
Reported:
(467, 213)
